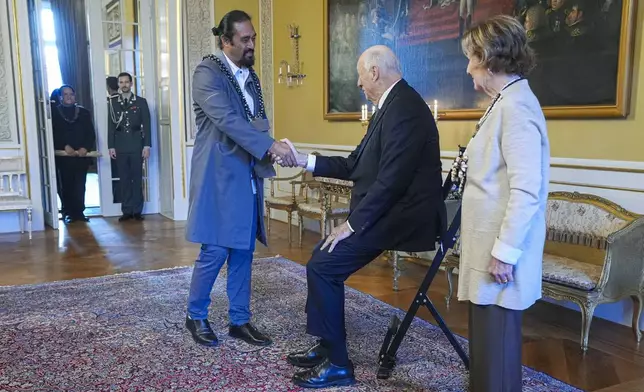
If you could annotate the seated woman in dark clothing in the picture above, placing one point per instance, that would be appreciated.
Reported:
(73, 133)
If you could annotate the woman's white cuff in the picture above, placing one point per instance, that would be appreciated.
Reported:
(506, 253)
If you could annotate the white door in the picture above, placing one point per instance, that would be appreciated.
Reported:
(43, 118)
(120, 36)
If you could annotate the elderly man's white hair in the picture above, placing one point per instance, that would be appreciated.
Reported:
(383, 58)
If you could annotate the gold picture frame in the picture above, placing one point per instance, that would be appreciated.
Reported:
(622, 99)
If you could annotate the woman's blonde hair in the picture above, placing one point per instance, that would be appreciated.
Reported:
(501, 44)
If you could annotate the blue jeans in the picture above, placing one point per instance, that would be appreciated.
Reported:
(238, 287)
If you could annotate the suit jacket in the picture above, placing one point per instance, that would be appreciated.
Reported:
(228, 151)
(396, 201)
(133, 131)
(504, 202)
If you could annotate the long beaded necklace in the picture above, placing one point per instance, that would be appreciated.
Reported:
(489, 108)
(458, 173)
(73, 120)
(261, 113)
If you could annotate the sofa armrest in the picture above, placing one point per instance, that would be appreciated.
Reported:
(623, 273)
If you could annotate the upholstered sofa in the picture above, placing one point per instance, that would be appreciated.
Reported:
(594, 254)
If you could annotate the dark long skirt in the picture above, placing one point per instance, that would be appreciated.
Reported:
(495, 349)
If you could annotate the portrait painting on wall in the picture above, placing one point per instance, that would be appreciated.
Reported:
(583, 49)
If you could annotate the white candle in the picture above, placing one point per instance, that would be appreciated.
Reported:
(280, 70)
(288, 69)
(435, 110)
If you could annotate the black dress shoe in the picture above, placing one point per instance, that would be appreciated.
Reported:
(138, 217)
(309, 358)
(201, 332)
(325, 375)
(249, 334)
(125, 217)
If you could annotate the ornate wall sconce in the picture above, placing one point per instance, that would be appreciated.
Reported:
(293, 73)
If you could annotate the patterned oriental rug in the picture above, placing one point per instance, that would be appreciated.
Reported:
(125, 332)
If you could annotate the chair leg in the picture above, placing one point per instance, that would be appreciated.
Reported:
(396, 259)
(268, 222)
(587, 311)
(449, 273)
(637, 315)
(324, 222)
(29, 223)
(290, 222)
(22, 217)
(300, 228)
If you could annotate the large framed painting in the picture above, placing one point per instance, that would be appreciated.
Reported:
(584, 52)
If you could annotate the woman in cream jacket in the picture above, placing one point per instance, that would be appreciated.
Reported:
(503, 206)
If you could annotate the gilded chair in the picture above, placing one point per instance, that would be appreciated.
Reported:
(329, 204)
(288, 203)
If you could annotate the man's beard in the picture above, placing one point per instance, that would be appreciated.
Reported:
(246, 61)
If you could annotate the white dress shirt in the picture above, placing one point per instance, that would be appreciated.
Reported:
(241, 75)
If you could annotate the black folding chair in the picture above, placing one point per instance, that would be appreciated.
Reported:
(397, 329)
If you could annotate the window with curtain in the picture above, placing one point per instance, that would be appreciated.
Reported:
(50, 51)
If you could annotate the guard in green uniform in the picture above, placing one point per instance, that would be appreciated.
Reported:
(129, 143)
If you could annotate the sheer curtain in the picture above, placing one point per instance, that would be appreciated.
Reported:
(73, 55)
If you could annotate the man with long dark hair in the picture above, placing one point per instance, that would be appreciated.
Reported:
(231, 158)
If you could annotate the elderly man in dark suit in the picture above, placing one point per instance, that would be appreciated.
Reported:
(396, 203)
(231, 157)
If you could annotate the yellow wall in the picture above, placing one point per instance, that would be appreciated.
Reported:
(299, 110)
(251, 7)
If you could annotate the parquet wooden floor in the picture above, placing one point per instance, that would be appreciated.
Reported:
(614, 361)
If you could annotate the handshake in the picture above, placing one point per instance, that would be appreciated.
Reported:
(284, 154)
